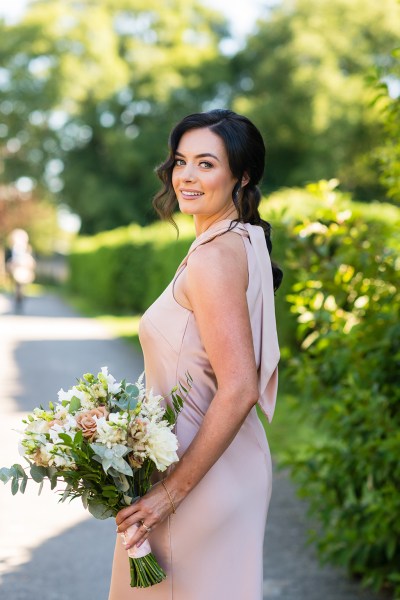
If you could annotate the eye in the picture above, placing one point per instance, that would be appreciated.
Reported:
(206, 164)
(178, 162)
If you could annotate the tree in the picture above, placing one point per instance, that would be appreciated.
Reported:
(389, 153)
(89, 93)
(301, 77)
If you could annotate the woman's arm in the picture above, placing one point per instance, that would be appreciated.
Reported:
(216, 279)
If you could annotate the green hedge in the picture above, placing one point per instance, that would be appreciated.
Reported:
(127, 268)
(346, 300)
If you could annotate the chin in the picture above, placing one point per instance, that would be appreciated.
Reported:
(187, 209)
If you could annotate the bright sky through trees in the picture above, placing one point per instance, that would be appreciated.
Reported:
(242, 19)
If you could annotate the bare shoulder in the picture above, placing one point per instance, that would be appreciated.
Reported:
(223, 259)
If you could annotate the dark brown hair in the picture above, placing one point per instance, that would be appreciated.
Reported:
(246, 154)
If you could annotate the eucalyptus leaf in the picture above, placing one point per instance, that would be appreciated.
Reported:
(121, 482)
(99, 511)
(14, 485)
(122, 466)
(6, 474)
(38, 473)
(22, 486)
(40, 488)
(19, 469)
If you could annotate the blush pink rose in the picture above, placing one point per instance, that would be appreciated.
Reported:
(87, 422)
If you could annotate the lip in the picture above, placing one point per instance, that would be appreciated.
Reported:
(185, 190)
(191, 194)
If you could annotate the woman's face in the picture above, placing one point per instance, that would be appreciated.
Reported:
(201, 177)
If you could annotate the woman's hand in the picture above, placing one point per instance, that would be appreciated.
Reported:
(152, 509)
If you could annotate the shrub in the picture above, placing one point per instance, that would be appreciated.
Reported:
(346, 301)
(127, 268)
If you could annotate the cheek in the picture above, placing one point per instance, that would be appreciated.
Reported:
(175, 182)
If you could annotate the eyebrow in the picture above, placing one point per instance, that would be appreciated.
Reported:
(203, 155)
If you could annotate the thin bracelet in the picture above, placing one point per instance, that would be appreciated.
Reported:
(169, 496)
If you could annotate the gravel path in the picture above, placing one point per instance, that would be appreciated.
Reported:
(58, 552)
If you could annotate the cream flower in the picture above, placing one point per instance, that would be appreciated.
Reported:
(113, 431)
(162, 445)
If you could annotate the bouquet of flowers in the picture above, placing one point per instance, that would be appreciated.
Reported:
(104, 440)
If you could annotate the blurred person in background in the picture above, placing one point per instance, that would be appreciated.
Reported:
(20, 264)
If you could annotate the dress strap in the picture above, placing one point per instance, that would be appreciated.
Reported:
(212, 232)
(268, 369)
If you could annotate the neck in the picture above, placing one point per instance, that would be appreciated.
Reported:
(204, 222)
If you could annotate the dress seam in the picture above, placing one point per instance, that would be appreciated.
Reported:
(161, 334)
(170, 558)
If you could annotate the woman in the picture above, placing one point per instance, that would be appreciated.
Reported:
(205, 521)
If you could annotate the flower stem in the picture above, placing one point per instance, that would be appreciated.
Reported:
(145, 571)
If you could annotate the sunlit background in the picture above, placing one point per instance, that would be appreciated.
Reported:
(88, 94)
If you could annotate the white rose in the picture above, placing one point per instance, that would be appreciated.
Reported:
(162, 445)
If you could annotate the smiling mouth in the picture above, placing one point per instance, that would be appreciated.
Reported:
(191, 194)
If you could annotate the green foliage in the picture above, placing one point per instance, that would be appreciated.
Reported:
(346, 301)
(86, 113)
(87, 116)
(389, 153)
(172, 412)
(301, 77)
(128, 268)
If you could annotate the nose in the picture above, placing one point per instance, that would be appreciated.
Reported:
(188, 173)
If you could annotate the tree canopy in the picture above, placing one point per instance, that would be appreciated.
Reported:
(302, 78)
(89, 92)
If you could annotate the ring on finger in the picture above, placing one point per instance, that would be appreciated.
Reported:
(148, 529)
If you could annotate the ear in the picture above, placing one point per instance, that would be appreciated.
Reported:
(245, 179)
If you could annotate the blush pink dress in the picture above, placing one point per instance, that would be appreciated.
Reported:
(212, 547)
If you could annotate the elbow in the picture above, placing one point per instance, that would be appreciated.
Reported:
(243, 395)
(249, 396)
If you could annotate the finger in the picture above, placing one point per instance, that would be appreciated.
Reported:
(126, 512)
(129, 521)
(137, 539)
